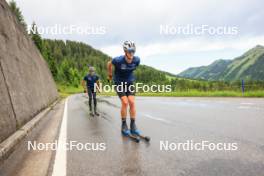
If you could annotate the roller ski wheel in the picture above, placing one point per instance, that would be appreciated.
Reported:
(138, 134)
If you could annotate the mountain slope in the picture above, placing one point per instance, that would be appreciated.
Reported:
(211, 72)
(249, 66)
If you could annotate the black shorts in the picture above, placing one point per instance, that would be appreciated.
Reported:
(125, 89)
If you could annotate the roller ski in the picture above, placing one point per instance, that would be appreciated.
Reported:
(96, 113)
(135, 132)
(126, 132)
(146, 138)
(91, 114)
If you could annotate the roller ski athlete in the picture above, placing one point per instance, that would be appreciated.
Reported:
(123, 80)
(89, 84)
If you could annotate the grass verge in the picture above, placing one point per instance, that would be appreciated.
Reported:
(195, 93)
(65, 91)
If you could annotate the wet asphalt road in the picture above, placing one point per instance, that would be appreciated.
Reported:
(175, 120)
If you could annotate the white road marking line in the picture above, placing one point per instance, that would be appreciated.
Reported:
(244, 107)
(247, 103)
(60, 163)
(157, 118)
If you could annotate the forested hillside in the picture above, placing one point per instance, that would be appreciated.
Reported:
(249, 66)
(69, 62)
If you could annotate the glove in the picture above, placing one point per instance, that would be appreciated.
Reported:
(98, 90)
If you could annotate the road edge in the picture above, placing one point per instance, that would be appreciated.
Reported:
(60, 160)
(9, 145)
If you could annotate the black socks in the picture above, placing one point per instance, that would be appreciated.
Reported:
(123, 121)
(132, 124)
(132, 121)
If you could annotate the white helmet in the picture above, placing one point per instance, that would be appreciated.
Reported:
(91, 69)
(129, 46)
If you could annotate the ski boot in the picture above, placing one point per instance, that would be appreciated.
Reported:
(124, 129)
(133, 128)
(91, 112)
(95, 112)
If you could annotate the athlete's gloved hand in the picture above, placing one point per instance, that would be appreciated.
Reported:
(98, 90)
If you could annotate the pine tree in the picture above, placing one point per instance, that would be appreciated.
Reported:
(36, 36)
(18, 14)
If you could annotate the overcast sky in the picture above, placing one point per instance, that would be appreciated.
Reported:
(141, 21)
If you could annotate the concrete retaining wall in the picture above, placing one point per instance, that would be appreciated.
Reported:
(26, 83)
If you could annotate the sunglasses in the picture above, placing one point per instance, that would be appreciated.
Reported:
(131, 51)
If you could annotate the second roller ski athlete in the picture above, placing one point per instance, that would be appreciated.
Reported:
(90, 80)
